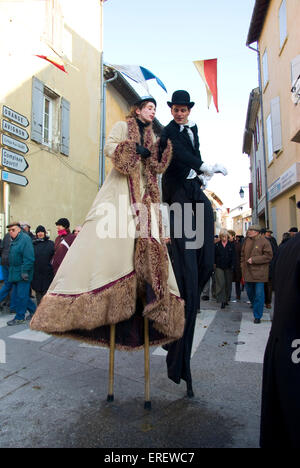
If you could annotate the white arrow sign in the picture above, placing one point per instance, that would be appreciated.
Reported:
(15, 116)
(14, 129)
(15, 144)
(13, 160)
(12, 178)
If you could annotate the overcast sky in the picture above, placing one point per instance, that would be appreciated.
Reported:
(166, 36)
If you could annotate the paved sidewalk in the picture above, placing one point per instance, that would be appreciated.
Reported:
(53, 391)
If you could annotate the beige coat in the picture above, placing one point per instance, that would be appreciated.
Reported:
(106, 269)
(260, 250)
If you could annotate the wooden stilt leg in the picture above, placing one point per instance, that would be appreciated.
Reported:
(110, 396)
(147, 404)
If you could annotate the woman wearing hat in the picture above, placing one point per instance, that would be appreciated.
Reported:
(43, 272)
(118, 269)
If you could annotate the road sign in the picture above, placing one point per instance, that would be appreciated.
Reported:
(15, 116)
(13, 160)
(12, 178)
(14, 144)
(14, 129)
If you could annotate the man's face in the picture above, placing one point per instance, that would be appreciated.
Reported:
(252, 234)
(14, 231)
(180, 114)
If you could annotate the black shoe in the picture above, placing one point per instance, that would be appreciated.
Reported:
(256, 320)
(205, 298)
(223, 305)
(15, 322)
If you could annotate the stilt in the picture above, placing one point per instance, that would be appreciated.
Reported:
(147, 404)
(110, 396)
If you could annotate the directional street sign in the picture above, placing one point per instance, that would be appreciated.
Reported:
(15, 116)
(14, 144)
(14, 129)
(13, 160)
(12, 178)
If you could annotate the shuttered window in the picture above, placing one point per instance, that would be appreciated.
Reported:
(65, 127)
(265, 68)
(50, 120)
(295, 69)
(282, 23)
(37, 110)
(276, 124)
(269, 138)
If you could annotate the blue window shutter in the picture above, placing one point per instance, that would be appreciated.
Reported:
(37, 110)
(65, 127)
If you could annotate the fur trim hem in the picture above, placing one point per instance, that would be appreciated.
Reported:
(105, 306)
(105, 344)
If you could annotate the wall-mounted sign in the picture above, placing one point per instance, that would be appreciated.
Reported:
(14, 129)
(14, 144)
(15, 116)
(13, 178)
(13, 160)
(285, 181)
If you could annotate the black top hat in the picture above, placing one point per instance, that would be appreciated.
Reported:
(145, 99)
(181, 98)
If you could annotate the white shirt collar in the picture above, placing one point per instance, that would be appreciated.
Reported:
(189, 124)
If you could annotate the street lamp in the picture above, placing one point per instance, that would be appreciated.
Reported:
(241, 192)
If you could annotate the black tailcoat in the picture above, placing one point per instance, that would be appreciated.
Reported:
(192, 267)
(280, 416)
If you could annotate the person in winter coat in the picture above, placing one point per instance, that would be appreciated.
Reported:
(280, 410)
(224, 265)
(63, 242)
(256, 256)
(237, 272)
(21, 264)
(7, 288)
(43, 271)
(117, 270)
(268, 286)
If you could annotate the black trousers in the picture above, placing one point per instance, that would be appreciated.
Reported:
(192, 267)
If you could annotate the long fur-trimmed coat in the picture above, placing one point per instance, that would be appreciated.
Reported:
(114, 277)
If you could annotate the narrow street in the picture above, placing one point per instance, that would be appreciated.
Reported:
(53, 391)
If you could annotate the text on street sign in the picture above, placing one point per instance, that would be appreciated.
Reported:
(13, 160)
(14, 129)
(15, 116)
(14, 144)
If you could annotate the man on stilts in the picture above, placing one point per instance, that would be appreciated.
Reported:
(182, 185)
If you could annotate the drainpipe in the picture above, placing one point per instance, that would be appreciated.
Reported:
(102, 130)
(263, 135)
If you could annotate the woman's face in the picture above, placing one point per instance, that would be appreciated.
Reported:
(224, 238)
(40, 235)
(147, 113)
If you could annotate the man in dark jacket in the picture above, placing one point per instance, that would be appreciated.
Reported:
(62, 243)
(280, 414)
(193, 251)
(21, 261)
(7, 286)
(43, 271)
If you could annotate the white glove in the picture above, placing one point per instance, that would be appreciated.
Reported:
(204, 180)
(220, 169)
(207, 169)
